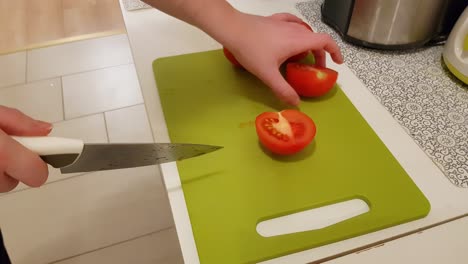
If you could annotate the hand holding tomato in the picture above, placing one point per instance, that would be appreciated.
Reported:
(261, 44)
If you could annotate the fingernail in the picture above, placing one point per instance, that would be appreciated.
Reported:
(295, 101)
(44, 125)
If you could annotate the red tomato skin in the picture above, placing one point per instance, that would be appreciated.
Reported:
(310, 80)
(303, 127)
(231, 58)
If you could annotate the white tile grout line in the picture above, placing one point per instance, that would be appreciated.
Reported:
(86, 71)
(63, 98)
(148, 120)
(105, 126)
(141, 88)
(114, 244)
(47, 183)
(19, 84)
(98, 69)
(26, 68)
(107, 111)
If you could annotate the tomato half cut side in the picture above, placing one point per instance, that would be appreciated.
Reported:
(310, 80)
(286, 132)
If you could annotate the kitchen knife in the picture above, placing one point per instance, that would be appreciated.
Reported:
(73, 155)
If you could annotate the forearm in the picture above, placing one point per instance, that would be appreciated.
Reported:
(211, 16)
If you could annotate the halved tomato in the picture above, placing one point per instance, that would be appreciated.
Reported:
(310, 80)
(286, 132)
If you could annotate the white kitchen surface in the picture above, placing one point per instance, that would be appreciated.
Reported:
(89, 90)
(442, 244)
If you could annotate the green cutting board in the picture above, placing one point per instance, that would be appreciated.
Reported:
(228, 192)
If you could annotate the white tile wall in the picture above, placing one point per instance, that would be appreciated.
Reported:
(12, 69)
(129, 124)
(78, 57)
(101, 90)
(40, 100)
(83, 213)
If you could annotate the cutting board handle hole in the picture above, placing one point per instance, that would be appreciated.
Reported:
(312, 219)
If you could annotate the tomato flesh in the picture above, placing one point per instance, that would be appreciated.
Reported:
(310, 80)
(286, 132)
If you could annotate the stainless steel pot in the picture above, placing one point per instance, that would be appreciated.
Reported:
(393, 24)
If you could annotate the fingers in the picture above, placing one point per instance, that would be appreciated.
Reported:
(317, 42)
(322, 41)
(20, 163)
(286, 17)
(281, 87)
(13, 122)
(7, 183)
(319, 56)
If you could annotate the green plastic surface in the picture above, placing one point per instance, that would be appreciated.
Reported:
(205, 100)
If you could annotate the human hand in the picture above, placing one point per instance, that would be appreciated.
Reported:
(262, 44)
(18, 164)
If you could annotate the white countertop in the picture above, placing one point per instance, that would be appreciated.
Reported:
(153, 34)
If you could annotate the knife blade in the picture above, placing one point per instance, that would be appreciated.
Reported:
(73, 155)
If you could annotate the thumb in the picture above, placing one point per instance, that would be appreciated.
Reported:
(14, 122)
(281, 87)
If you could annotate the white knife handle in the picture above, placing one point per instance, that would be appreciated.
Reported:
(51, 145)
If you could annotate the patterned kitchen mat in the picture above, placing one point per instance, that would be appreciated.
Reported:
(131, 5)
(417, 89)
